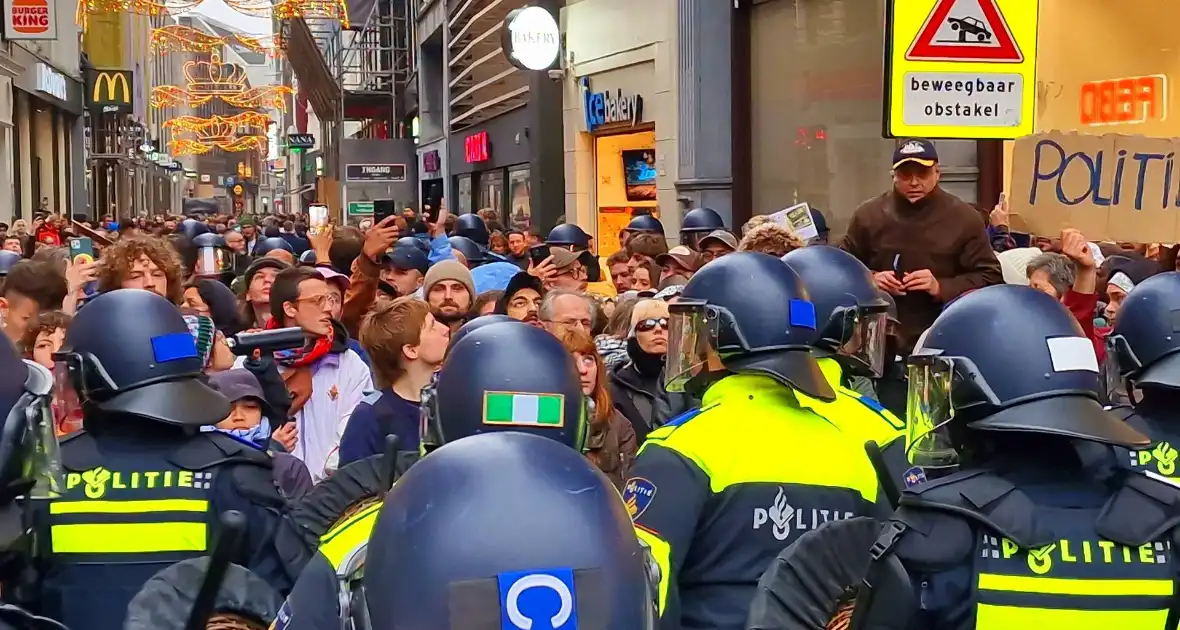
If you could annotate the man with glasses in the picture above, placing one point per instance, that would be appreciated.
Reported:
(566, 308)
(325, 378)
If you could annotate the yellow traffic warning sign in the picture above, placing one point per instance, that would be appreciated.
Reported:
(960, 68)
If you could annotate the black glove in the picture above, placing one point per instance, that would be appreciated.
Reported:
(273, 388)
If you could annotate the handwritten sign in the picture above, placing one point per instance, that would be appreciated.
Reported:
(1111, 187)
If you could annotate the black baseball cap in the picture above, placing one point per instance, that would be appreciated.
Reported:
(917, 151)
(407, 257)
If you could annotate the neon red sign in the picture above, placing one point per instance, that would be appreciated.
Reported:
(476, 147)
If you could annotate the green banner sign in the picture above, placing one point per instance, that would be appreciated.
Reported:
(360, 208)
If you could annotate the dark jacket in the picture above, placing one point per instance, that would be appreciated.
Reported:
(611, 446)
(940, 233)
(637, 389)
(379, 414)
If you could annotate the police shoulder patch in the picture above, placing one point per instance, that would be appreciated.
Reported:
(283, 619)
(914, 476)
(637, 495)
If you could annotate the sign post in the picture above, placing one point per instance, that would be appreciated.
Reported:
(960, 68)
(360, 208)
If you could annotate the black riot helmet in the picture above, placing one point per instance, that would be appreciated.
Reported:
(307, 258)
(477, 323)
(1005, 358)
(471, 250)
(752, 313)
(484, 387)
(1144, 346)
(131, 352)
(851, 317)
(645, 223)
(568, 235)
(214, 257)
(8, 260)
(471, 225)
(556, 545)
(270, 244)
(30, 463)
(697, 223)
(192, 228)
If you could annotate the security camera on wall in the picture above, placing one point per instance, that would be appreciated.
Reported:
(556, 74)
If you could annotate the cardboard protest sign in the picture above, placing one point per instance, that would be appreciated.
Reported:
(797, 218)
(1112, 187)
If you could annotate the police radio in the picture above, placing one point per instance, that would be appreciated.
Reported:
(244, 344)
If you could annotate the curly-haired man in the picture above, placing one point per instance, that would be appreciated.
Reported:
(142, 262)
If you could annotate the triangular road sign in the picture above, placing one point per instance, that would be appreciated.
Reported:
(965, 30)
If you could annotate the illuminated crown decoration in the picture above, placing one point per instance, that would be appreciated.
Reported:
(241, 132)
(225, 81)
(214, 78)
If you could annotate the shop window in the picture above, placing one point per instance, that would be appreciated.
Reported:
(491, 191)
(463, 192)
(520, 211)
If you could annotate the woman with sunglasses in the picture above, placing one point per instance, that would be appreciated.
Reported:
(637, 385)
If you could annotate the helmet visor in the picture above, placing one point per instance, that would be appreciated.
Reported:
(39, 447)
(692, 343)
(67, 402)
(929, 412)
(866, 344)
(211, 261)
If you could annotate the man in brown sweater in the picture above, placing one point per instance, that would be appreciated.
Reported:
(924, 245)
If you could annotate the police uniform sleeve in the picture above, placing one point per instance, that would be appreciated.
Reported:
(251, 490)
(313, 604)
(665, 495)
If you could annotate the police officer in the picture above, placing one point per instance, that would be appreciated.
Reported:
(167, 599)
(852, 322)
(1144, 354)
(472, 226)
(1005, 386)
(505, 530)
(192, 228)
(472, 252)
(214, 257)
(753, 468)
(696, 224)
(31, 466)
(482, 388)
(643, 223)
(143, 484)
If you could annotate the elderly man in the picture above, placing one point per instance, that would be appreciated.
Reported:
(565, 308)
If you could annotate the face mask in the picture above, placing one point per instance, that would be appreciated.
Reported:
(258, 435)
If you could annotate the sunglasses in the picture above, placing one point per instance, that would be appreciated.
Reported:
(651, 324)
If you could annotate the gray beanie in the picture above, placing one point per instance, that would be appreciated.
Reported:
(448, 270)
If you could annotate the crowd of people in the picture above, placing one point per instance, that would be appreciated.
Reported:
(746, 333)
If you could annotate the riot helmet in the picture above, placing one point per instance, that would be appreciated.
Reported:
(645, 223)
(214, 257)
(30, 462)
(471, 250)
(697, 223)
(484, 387)
(851, 317)
(8, 260)
(192, 228)
(270, 244)
(555, 543)
(745, 313)
(568, 235)
(475, 324)
(1144, 347)
(307, 258)
(1005, 358)
(131, 352)
(471, 226)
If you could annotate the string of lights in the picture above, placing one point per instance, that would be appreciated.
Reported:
(283, 9)
(180, 38)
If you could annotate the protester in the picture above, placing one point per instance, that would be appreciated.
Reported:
(644, 274)
(216, 301)
(12, 243)
(249, 420)
(924, 245)
(678, 265)
(518, 249)
(617, 264)
(450, 291)
(30, 288)
(143, 262)
(404, 270)
(611, 444)
(44, 336)
(407, 345)
(770, 238)
(521, 299)
(637, 385)
(338, 284)
(258, 280)
(566, 308)
(645, 247)
(717, 244)
(325, 378)
(612, 343)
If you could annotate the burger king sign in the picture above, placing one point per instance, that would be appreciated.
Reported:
(30, 19)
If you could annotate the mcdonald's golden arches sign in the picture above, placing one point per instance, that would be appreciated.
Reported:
(110, 91)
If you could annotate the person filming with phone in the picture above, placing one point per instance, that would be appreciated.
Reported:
(924, 245)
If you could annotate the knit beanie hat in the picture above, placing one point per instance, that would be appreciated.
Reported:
(647, 309)
(448, 270)
(204, 333)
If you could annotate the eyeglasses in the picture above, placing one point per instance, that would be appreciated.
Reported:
(651, 324)
(320, 301)
(584, 324)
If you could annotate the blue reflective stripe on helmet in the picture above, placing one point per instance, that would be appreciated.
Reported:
(802, 314)
(174, 347)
